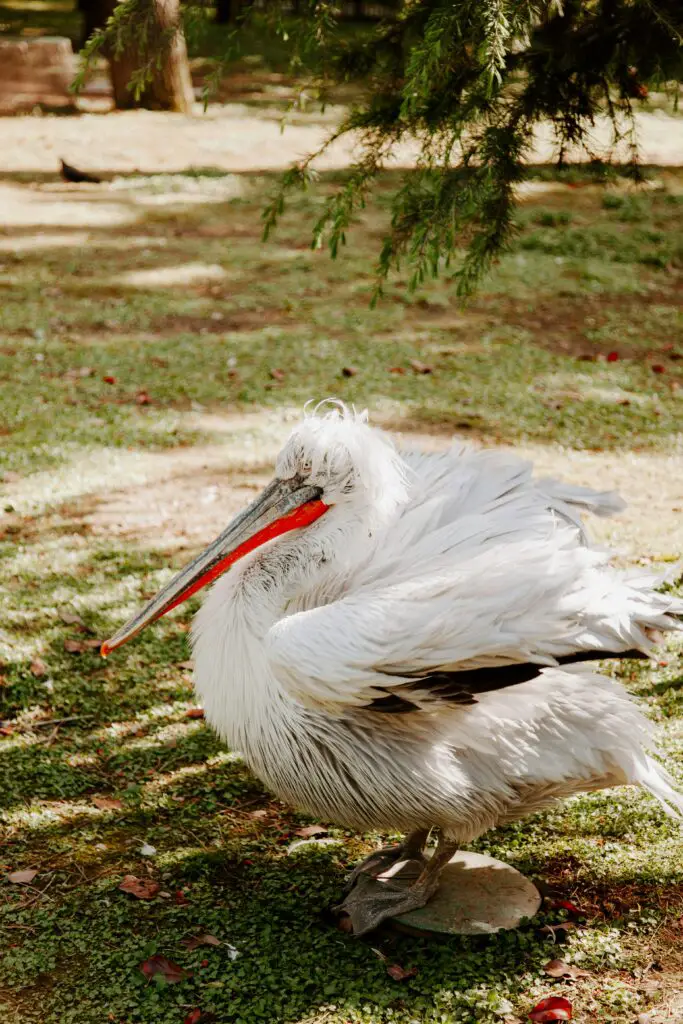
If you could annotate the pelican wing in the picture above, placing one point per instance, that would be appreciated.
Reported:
(484, 578)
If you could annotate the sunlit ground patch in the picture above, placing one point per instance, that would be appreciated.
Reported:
(169, 277)
(113, 482)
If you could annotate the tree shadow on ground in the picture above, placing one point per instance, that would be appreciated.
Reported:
(75, 318)
(184, 303)
(269, 907)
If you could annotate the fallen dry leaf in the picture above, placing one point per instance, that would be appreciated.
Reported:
(143, 398)
(173, 973)
(419, 367)
(80, 646)
(74, 646)
(141, 888)
(397, 369)
(6, 729)
(38, 667)
(277, 374)
(71, 618)
(198, 1016)
(551, 1009)
(24, 877)
(560, 969)
(567, 904)
(194, 713)
(108, 803)
(658, 368)
(349, 371)
(310, 830)
(200, 940)
(186, 664)
(399, 973)
(261, 813)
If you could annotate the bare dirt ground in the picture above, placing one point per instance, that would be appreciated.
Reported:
(245, 138)
(180, 499)
(177, 500)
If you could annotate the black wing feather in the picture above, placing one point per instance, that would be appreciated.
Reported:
(461, 687)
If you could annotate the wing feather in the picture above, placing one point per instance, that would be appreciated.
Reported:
(485, 577)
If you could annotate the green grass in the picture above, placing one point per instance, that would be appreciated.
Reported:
(527, 360)
(589, 274)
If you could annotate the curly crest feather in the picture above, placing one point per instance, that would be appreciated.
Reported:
(335, 447)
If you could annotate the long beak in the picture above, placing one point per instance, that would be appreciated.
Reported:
(283, 506)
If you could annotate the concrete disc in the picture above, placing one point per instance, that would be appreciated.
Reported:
(478, 895)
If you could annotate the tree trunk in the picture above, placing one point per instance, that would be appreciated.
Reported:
(95, 13)
(227, 11)
(171, 85)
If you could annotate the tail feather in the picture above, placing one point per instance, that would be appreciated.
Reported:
(585, 499)
(656, 780)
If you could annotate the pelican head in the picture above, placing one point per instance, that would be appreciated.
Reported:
(333, 464)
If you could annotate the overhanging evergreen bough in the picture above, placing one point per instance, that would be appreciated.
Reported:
(470, 80)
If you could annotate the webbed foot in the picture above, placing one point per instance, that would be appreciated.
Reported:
(381, 861)
(374, 899)
(407, 881)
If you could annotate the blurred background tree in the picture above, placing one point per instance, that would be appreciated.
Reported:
(145, 46)
(469, 80)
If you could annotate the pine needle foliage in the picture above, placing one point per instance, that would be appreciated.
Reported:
(467, 81)
(464, 81)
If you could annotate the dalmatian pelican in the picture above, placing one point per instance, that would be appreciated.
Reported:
(404, 643)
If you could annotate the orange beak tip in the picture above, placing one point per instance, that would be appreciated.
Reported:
(105, 649)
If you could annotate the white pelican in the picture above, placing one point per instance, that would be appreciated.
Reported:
(401, 645)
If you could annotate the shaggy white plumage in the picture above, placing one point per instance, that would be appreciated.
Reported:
(331, 656)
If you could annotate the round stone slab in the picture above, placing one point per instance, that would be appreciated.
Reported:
(478, 895)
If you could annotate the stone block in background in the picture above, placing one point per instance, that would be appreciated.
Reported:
(36, 72)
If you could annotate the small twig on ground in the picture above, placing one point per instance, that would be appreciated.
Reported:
(241, 807)
(55, 721)
(38, 894)
(93, 878)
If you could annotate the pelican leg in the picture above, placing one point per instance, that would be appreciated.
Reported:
(381, 860)
(372, 901)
